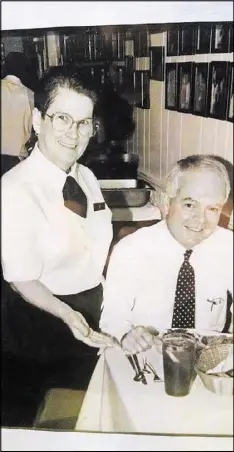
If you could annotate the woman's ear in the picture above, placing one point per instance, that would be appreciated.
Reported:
(36, 120)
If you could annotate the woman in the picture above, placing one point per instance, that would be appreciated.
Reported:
(52, 256)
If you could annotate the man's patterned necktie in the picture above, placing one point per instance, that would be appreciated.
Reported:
(184, 307)
(74, 197)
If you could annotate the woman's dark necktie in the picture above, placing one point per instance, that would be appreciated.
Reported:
(74, 197)
(184, 307)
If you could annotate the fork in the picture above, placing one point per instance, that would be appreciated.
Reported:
(152, 370)
(139, 374)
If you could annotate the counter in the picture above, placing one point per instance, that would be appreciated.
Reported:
(144, 213)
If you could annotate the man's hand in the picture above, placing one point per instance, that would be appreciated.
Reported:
(81, 331)
(138, 339)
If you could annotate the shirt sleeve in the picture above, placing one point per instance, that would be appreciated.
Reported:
(5, 105)
(119, 291)
(21, 259)
(28, 114)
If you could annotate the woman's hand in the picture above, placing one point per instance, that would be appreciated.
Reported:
(138, 339)
(81, 331)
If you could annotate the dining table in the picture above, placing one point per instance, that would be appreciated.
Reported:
(127, 395)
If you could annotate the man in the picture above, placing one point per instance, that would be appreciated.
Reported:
(175, 273)
(16, 109)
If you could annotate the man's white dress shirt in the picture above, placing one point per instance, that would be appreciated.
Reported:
(45, 241)
(17, 103)
(142, 276)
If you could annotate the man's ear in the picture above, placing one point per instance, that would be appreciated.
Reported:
(165, 205)
(36, 120)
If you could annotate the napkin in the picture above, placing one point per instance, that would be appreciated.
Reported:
(225, 365)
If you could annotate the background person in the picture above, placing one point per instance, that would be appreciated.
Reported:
(17, 102)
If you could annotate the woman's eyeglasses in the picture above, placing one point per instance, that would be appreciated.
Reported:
(62, 122)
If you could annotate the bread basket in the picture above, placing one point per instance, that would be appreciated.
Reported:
(209, 358)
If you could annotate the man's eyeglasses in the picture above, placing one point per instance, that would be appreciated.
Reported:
(62, 122)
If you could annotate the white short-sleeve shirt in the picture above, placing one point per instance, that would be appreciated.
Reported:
(17, 103)
(42, 239)
(142, 275)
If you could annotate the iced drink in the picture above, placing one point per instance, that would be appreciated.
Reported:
(178, 363)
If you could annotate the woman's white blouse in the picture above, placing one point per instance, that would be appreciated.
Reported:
(42, 239)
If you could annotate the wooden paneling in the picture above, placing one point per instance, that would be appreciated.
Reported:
(229, 143)
(190, 143)
(208, 135)
(174, 140)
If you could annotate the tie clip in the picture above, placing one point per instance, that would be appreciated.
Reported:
(98, 206)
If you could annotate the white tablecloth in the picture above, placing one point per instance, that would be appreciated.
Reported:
(116, 403)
